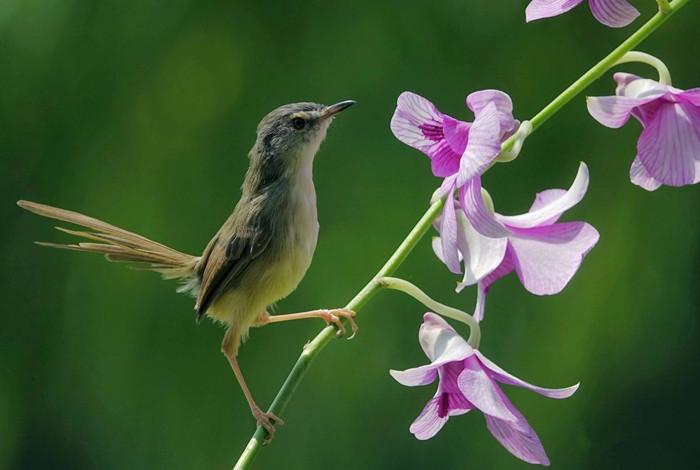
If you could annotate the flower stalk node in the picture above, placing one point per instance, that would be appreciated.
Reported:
(664, 7)
(519, 137)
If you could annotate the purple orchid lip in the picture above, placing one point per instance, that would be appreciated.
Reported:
(334, 109)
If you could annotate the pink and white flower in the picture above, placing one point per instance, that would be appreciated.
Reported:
(544, 253)
(459, 151)
(467, 381)
(668, 149)
(455, 147)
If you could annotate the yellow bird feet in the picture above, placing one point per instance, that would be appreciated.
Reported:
(336, 316)
(267, 421)
(333, 316)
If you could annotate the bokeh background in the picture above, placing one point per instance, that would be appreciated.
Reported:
(142, 113)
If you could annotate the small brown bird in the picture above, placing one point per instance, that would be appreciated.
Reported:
(262, 251)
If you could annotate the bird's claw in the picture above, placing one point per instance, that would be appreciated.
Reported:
(336, 316)
(269, 422)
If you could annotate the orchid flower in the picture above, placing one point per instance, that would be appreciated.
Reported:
(458, 150)
(544, 253)
(613, 13)
(668, 150)
(455, 147)
(468, 381)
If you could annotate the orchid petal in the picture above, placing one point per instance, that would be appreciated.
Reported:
(555, 207)
(669, 147)
(418, 123)
(544, 198)
(633, 86)
(613, 13)
(546, 258)
(412, 112)
(454, 402)
(633, 94)
(443, 160)
(518, 438)
(440, 342)
(506, 267)
(481, 254)
(641, 177)
(448, 236)
(416, 376)
(483, 392)
(437, 249)
(446, 187)
(691, 96)
(622, 79)
(480, 306)
(456, 134)
(614, 111)
(479, 101)
(651, 94)
(428, 423)
(480, 217)
(502, 376)
(458, 405)
(538, 9)
(483, 146)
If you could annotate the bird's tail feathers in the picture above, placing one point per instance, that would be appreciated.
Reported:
(117, 244)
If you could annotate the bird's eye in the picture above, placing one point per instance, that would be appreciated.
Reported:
(298, 123)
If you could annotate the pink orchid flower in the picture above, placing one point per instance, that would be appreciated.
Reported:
(465, 149)
(468, 381)
(458, 150)
(668, 150)
(613, 13)
(544, 253)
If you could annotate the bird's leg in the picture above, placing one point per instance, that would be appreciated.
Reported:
(333, 316)
(269, 421)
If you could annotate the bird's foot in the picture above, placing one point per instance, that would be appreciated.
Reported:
(268, 421)
(336, 316)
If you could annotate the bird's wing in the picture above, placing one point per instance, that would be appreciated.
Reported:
(239, 241)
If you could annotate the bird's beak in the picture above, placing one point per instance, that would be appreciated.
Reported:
(334, 109)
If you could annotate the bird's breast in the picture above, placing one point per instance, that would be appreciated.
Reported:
(303, 225)
(294, 243)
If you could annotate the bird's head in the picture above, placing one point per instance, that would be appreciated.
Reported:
(290, 136)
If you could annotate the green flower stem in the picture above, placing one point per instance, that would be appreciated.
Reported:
(312, 349)
(442, 309)
(648, 59)
(601, 67)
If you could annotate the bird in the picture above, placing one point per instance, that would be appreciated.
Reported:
(260, 253)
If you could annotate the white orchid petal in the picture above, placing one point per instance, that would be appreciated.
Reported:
(554, 208)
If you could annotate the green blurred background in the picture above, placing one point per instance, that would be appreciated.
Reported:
(142, 113)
